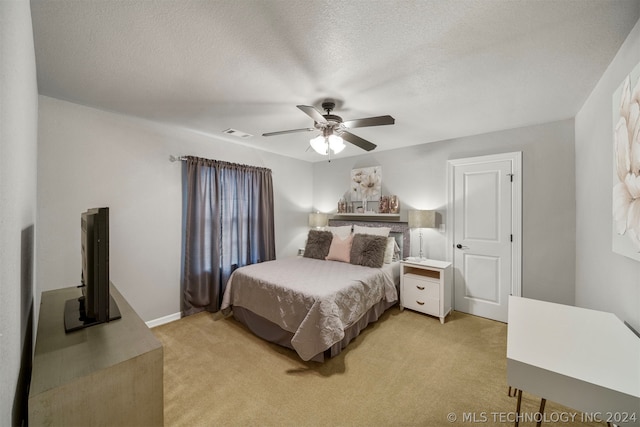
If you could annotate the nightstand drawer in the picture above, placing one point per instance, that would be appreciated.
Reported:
(422, 286)
(417, 301)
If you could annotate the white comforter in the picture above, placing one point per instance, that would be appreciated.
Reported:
(315, 300)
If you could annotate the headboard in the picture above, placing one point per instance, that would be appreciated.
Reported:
(399, 230)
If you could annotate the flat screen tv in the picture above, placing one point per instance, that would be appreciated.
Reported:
(96, 305)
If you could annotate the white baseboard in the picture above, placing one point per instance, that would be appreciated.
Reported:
(162, 320)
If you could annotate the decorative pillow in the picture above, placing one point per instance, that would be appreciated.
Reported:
(368, 250)
(318, 243)
(341, 231)
(374, 231)
(390, 250)
(340, 249)
(396, 251)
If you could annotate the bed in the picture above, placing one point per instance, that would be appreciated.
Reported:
(313, 305)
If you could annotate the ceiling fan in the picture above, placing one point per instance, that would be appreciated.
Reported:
(334, 130)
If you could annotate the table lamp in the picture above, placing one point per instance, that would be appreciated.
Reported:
(422, 219)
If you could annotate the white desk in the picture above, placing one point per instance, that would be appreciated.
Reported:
(585, 359)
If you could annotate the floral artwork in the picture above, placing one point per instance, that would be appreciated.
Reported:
(626, 173)
(366, 183)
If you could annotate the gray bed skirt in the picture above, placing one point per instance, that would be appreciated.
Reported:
(271, 332)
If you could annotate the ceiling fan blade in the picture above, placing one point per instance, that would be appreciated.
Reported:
(282, 132)
(313, 113)
(370, 121)
(356, 140)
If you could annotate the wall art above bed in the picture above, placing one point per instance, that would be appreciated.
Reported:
(626, 166)
(366, 184)
(365, 194)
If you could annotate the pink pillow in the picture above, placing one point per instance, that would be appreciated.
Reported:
(340, 249)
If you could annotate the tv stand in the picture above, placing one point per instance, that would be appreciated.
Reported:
(110, 374)
(75, 315)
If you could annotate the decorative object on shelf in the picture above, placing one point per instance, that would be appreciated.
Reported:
(358, 207)
(366, 184)
(383, 204)
(422, 219)
(626, 163)
(318, 220)
(394, 204)
(342, 206)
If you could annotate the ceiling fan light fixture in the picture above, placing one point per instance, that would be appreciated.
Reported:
(336, 143)
(322, 144)
(319, 144)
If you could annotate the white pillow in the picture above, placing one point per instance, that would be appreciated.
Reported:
(342, 231)
(396, 250)
(375, 231)
(388, 252)
(392, 250)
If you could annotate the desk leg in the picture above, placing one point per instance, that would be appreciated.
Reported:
(518, 408)
(541, 411)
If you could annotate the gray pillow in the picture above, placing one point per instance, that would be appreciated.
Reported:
(368, 250)
(318, 244)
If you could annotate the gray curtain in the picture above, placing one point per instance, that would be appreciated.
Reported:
(227, 223)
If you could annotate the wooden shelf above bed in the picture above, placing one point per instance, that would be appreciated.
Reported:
(367, 215)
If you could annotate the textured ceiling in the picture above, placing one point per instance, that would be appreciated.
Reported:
(441, 68)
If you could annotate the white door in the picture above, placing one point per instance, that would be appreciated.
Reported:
(486, 233)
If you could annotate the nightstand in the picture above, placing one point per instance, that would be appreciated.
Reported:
(425, 286)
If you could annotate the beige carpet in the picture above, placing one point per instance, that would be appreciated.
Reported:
(404, 370)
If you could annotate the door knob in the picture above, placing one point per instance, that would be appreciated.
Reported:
(459, 246)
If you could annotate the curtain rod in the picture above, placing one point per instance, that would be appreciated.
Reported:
(173, 158)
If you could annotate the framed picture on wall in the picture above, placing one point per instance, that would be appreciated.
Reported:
(366, 184)
(626, 166)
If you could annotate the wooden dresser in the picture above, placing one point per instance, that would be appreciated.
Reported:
(105, 375)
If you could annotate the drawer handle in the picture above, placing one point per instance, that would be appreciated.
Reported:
(420, 287)
(420, 302)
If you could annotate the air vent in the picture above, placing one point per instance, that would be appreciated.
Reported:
(237, 133)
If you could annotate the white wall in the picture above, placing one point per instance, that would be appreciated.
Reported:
(89, 158)
(604, 280)
(418, 175)
(18, 151)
